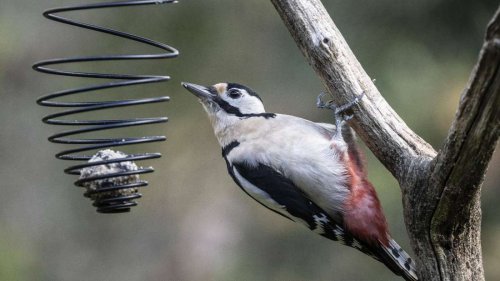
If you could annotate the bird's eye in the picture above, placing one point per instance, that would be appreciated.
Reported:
(234, 94)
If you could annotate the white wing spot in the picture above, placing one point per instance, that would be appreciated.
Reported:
(339, 234)
(320, 222)
(356, 245)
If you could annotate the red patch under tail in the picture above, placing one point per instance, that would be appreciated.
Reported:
(363, 213)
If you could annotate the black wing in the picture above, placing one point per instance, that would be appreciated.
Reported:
(292, 202)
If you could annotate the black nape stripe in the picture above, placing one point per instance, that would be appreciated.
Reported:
(227, 148)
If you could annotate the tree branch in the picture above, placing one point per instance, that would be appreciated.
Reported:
(474, 132)
(441, 192)
(458, 170)
(378, 125)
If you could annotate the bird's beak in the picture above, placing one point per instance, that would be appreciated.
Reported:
(201, 92)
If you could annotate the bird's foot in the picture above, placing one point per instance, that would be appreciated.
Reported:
(339, 112)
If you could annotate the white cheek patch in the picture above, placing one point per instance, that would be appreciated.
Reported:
(248, 104)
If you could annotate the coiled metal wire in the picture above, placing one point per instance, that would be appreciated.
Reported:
(108, 198)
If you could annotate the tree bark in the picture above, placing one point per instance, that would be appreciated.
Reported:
(441, 191)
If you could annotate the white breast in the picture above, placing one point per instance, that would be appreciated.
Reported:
(298, 149)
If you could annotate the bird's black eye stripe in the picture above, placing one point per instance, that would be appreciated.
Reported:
(234, 94)
(224, 105)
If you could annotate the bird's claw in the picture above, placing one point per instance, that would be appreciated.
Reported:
(339, 111)
(344, 107)
(321, 104)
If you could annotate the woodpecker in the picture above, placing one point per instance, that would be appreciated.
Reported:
(311, 173)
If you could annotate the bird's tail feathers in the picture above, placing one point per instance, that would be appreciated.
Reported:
(392, 255)
(396, 259)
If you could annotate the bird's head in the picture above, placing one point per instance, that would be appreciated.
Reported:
(226, 100)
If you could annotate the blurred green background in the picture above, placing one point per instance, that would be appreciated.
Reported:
(193, 223)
